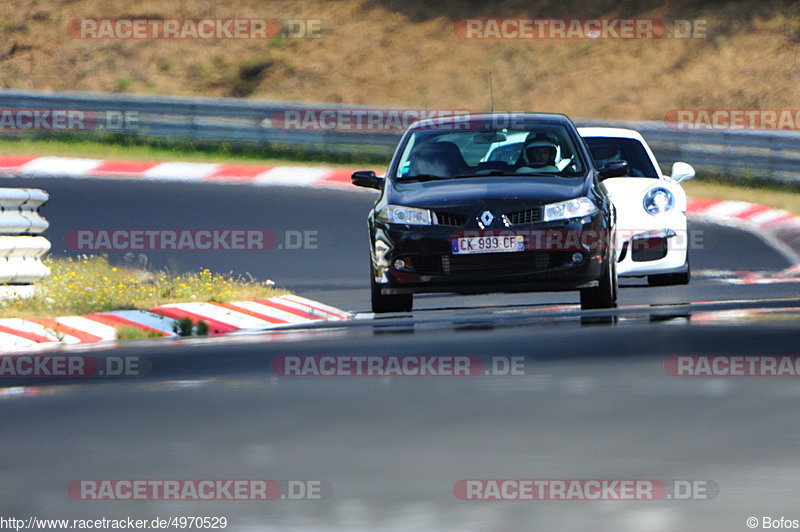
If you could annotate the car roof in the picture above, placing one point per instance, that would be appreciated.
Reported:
(486, 117)
(610, 132)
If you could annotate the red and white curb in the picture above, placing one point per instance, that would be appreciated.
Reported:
(221, 318)
(261, 175)
(779, 228)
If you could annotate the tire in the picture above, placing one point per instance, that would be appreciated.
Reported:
(671, 279)
(391, 303)
(605, 294)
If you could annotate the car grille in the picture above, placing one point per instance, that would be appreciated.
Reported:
(451, 219)
(488, 263)
(528, 216)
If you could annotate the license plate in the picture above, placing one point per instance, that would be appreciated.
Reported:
(488, 244)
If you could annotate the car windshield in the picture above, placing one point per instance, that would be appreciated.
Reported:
(607, 149)
(542, 150)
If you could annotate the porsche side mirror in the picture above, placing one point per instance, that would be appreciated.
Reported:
(681, 172)
(366, 179)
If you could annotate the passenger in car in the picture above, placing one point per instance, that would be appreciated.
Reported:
(441, 159)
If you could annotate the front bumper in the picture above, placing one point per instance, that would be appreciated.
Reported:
(653, 252)
(420, 259)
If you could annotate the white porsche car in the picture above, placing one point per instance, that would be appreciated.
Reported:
(651, 207)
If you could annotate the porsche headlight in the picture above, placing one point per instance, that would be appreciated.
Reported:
(564, 210)
(658, 201)
(397, 214)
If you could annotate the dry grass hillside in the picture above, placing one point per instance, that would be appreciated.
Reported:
(405, 52)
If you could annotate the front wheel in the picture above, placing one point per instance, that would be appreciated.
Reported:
(605, 294)
(390, 303)
(671, 279)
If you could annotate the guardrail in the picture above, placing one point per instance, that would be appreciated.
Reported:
(21, 246)
(757, 154)
(761, 154)
(218, 119)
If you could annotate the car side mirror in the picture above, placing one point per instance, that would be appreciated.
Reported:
(614, 169)
(366, 179)
(681, 172)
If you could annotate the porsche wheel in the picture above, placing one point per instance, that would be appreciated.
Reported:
(605, 294)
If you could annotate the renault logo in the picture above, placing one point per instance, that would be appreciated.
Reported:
(486, 219)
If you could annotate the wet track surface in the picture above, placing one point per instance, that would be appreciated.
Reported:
(595, 402)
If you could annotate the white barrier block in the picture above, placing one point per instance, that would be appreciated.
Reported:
(11, 198)
(22, 270)
(37, 197)
(36, 223)
(23, 246)
(13, 222)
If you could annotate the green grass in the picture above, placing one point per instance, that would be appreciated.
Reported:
(129, 148)
(90, 284)
(133, 333)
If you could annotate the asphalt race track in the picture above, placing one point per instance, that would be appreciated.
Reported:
(336, 272)
(595, 401)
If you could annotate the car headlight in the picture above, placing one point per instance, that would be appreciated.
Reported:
(658, 200)
(397, 214)
(564, 210)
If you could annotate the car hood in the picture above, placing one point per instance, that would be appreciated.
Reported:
(523, 189)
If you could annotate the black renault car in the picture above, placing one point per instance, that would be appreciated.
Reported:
(500, 202)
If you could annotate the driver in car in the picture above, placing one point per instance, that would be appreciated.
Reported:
(539, 155)
(606, 154)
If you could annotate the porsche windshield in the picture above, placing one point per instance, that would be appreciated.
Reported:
(607, 149)
(547, 150)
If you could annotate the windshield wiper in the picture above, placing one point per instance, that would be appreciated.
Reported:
(490, 173)
(423, 177)
(500, 173)
(548, 174)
